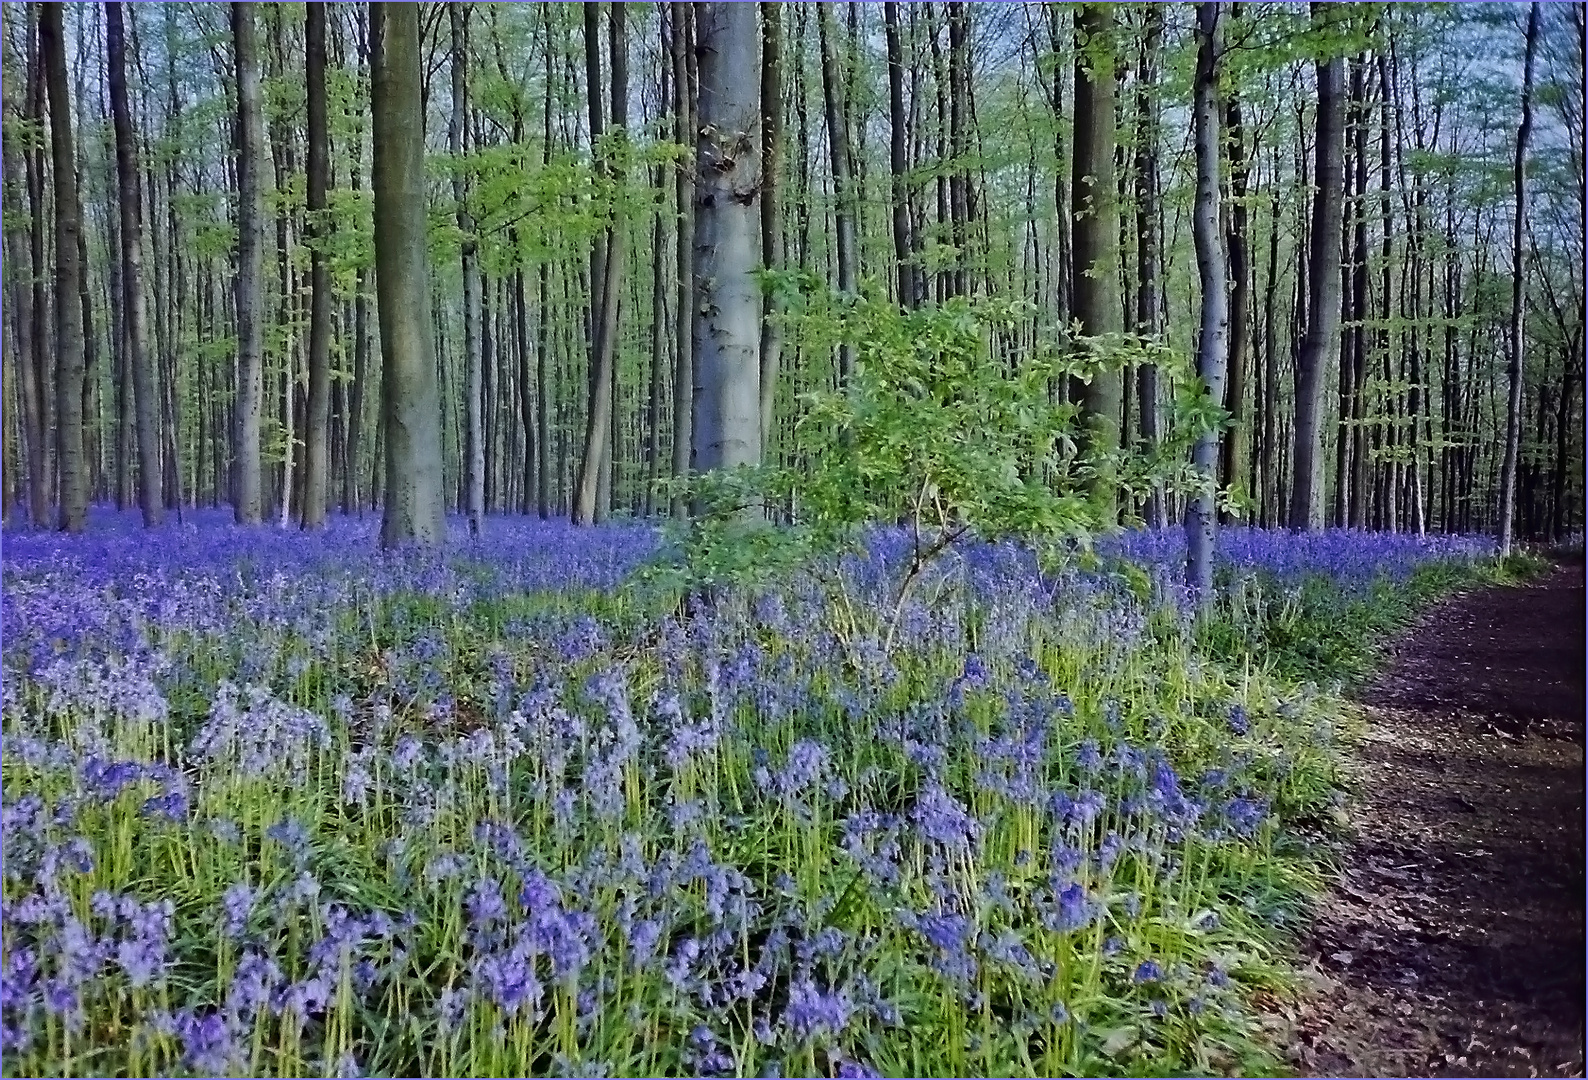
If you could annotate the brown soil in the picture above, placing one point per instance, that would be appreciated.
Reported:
(1452, 943)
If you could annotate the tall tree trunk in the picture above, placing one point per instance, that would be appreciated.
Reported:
(1148, 255)
(843, 184)
(1513, 410)
(1201, 521)
(589, 507)
(959, 143)
(653, 412)
(68, 271)
(410, 403)
(474, 441)
(684, 369)
(247, 494)
(909, 294)
(19, 264)
(1094, 273)
(1237, 439)
(771, 205)
(45, 330)
(1353, 460)
(316, 434)
(1323, 289)
(133, 303)
(727, 429)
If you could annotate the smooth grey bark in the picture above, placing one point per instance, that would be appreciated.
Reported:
(473, 440)
(771, 205)
(247, 496)
(1513, 372)
(1201, 518)
(843, 194)
(316, 453)
(1094, 273)
(1148, 243)
(73, 513)
(1323, 290)
(133, 303)
(683, 369)
(410, 402)
(727, 428)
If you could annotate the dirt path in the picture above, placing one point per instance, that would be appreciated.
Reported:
(1453, 944)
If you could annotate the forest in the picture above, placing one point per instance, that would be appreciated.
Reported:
(773, 538)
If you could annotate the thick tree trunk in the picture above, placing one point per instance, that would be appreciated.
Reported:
(1513, 410)
(247, 496)
(1201, 521)
(317, 432)
(727, 430)
(410, 403)
(1094, 273)
(1323, 291)
(68, 271)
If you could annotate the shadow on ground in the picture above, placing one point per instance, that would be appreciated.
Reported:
(1453, 943)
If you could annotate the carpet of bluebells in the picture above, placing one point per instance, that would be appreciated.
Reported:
(278, 804)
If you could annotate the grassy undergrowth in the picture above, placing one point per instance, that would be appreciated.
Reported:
(273, 808)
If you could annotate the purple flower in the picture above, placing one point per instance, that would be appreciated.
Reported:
(485, 903)
(1072, 910)
(207, 1044)
(238, 904)
(939, 817)
(173, 806)
(1147, 971)
(810, 1010)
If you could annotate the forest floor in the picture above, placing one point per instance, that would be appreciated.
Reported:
(1452, 942)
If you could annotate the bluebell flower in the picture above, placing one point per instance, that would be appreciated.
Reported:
(1147, 971)
(811, 1010)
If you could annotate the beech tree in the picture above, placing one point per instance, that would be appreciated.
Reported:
(317, 436)
(410, 402)
(727, 312)
(1515, 343)
(68, 277)
(1323, 289)
(925, 150)
(1094, 270)
(1201, 519)
(247, 479)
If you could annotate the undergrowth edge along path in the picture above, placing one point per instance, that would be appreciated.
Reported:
(1452, 942)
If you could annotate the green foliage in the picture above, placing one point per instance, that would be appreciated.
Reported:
(936, 431)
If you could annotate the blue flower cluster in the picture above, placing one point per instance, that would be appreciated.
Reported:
(280, 804)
